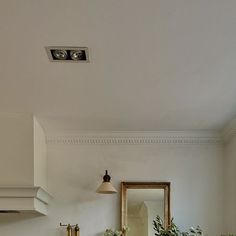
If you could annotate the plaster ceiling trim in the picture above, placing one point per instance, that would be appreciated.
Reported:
(135, 138)
(229, 131)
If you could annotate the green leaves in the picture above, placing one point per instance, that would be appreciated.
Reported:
(172, 229)
(112, 232)
(158, 226)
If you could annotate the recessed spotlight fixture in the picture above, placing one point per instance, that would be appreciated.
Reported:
(68, 54)
(59, 54)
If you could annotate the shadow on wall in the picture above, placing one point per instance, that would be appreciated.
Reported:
(9, 218)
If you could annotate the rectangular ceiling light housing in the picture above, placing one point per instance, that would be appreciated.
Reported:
(67, 54)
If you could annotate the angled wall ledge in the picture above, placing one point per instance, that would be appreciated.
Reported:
(24, 199)
(135, 138)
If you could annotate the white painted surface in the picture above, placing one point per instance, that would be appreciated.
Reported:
(23, 163)
(155, 64)
(40, 156)
(75, 171)
(230, 190)
(229, 131)
(24, 199)
(16, 150)
(154, 208)
(136, 138)
(23, 151)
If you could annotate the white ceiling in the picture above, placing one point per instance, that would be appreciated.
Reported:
(154, 64)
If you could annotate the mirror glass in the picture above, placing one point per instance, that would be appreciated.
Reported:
(143, 207)
(141, 202)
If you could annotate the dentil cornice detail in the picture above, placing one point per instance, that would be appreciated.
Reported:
(229, 131)
(135, 138)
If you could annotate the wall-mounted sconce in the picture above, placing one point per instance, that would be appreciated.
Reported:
(106, 187)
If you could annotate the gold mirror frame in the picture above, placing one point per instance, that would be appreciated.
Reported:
(145, 185)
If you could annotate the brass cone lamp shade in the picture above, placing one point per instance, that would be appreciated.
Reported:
(106, 187)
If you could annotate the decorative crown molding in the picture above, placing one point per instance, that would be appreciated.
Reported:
(229, 131)
(135, 138)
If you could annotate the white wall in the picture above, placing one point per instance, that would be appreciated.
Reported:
(16, 150)
(230, 186)
(23, 153)
(40, 157)
(75, 171)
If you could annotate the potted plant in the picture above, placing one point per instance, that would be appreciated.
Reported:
(172, 229)
(111, 232)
